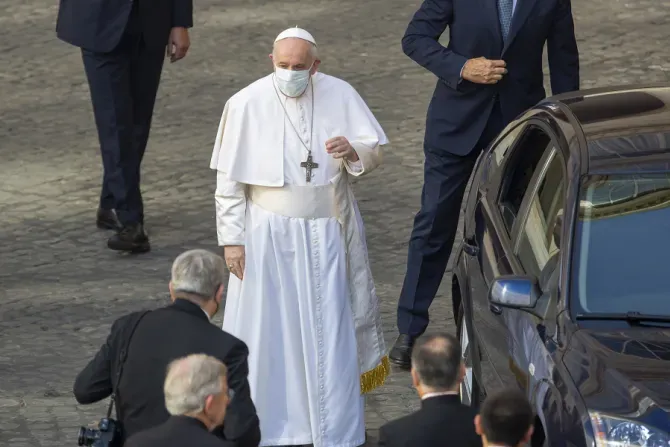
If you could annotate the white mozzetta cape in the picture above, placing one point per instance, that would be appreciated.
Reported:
(249, 150)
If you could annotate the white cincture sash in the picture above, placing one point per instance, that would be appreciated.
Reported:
(301, 202)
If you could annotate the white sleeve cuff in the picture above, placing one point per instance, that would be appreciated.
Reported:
(231, 206)
(354, 166)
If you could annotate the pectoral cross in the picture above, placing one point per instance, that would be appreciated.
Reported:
(309, 165)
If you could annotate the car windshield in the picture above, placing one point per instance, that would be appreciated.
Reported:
(621, 257)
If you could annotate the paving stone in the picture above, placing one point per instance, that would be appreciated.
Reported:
(60, 288)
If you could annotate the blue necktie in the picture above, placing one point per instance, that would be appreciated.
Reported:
(505, 11)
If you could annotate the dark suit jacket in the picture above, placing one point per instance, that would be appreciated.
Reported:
(441, 421)
(178, 431)
(166, 334)
(97, 25)
(459, 109)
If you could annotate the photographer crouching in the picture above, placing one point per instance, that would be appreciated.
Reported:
(131, 365)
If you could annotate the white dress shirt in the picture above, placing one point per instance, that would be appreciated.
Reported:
(444, 393)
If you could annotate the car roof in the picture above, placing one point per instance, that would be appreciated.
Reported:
(622, 125)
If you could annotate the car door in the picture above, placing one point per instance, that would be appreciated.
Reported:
(537, 252)
(510, 167)
(486, 167)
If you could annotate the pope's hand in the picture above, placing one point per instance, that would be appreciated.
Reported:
(178, 44)
(234, 256)
(339, 147)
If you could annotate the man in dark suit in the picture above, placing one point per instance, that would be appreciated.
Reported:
(506, 419)
(489, 73)
(437, 372)
(123, 45)
(163, 335)
(196, 395)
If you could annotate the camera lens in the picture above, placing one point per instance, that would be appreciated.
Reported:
(81, 438)
(86, 436)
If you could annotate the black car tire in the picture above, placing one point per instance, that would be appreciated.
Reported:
(475, 395)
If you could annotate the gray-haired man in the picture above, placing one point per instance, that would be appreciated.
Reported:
(163, 335)
(196, 396)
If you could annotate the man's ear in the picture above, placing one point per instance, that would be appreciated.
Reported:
(315, 66)
(415, 378)
(462, 373)
(171, 288)
(219, 294)
(209, 402)
(478, 425)
(529, 434)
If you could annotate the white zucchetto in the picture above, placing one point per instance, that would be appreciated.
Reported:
(298, 33)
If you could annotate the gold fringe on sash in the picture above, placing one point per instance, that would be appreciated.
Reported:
(375, 377)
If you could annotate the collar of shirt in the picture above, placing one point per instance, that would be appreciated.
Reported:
(205, 312)
(445, 393)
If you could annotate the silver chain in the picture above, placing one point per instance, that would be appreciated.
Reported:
(311, 129)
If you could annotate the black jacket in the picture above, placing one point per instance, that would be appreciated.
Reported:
(163, 335)
(441, 421)
(178, 431)
(97, 25)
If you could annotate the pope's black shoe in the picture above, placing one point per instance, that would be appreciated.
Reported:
(401, 353)
(131, 238)
(108, 220)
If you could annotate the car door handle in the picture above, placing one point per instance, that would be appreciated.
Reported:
(470, 247)
(497, 310)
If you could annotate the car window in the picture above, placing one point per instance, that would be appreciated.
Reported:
(621, 248)
(518, 171)
(539, 236)
(498, 153)
(488, 165)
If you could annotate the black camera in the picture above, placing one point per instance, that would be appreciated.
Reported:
(108, 434)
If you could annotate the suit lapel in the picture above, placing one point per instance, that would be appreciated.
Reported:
(521, 12)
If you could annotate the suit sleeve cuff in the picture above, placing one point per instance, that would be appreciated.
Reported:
(460, 76)
(182, 13)
(452, 76)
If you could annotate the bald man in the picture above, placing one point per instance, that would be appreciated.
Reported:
(301, 294)
(437, 373)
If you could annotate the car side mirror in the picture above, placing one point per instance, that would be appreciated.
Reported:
(515, 292)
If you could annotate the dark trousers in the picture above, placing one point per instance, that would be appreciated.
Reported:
(435, 225)
(123, 85)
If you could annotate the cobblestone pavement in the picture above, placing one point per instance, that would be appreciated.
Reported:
(60, 288)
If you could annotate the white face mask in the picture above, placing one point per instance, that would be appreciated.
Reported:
(292, 82)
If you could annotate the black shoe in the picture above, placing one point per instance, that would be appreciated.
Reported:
(131, 238)
(401, 353)
(108, 220)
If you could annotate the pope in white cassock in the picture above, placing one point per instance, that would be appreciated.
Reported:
(301, 294)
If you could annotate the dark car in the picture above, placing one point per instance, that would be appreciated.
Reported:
(562, 282)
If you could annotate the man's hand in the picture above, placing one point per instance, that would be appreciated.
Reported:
(339, 147)
(484, 71)
(234, 256)
(178, 44)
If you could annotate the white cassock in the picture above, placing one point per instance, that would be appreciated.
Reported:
(306, 307)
